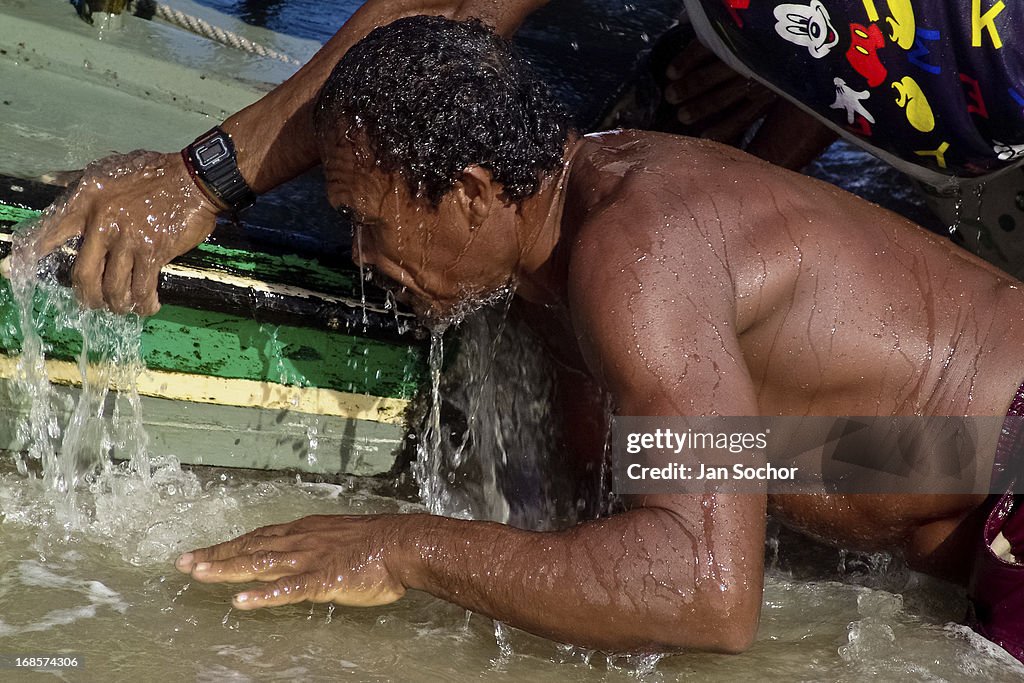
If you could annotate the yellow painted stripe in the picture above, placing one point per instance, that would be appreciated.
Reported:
(239, 392)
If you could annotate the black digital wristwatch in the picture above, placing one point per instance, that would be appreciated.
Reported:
(213, 165)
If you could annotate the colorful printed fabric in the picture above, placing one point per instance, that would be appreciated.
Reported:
(936, 83)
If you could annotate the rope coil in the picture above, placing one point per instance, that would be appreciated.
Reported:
(147, 9)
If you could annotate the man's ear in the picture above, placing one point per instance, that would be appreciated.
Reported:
(475, 194)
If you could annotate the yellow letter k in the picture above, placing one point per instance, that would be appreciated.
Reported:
(987, 20)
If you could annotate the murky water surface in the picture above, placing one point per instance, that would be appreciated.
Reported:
(110, 594)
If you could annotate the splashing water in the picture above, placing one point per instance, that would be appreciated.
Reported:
(83, 488)
(364, 272)
(429, 459)
(441, 453)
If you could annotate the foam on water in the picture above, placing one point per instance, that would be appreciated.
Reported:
(35, 575)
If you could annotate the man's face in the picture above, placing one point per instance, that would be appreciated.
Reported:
(443, 261)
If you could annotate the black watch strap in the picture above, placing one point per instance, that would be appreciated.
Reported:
(213, 163)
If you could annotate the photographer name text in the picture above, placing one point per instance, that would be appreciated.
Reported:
(701, 472)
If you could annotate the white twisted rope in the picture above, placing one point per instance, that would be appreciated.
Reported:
(208, 30)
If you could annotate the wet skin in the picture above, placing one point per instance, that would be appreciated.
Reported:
(688, 279)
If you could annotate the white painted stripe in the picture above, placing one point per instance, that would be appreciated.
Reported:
(265, 287)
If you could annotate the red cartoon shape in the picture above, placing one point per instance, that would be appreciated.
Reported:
(865, 41)
(976, 105)
(734, 6)
(861, 127)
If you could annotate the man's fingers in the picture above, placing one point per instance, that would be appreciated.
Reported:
(62, 178)
(693, 55)
(246, 544)
(284, 591)
(698, 109)
(709, 78)
(145, 279)
(148, 307)
(734, 124)
(242, 545)
(117, 280)
(87, 274)
(262, 565)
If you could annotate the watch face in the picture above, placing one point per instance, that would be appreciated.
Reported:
(212, 163)
(211, 152)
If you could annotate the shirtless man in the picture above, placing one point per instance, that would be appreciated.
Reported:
(636, 250)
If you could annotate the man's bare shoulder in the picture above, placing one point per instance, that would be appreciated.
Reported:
(633, 141)
(643, 275)
(628, 154)
(634, 195)
(650, 182)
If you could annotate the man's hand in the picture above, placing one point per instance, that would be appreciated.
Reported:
(323, 558)
(135, 212)
(633, 582)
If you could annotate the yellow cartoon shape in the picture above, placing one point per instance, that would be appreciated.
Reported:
(910, 98)
(902, 26)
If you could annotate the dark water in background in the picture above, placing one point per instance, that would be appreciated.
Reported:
(313, 19)
(588, 50)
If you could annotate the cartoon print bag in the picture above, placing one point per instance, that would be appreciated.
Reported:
(939, 84)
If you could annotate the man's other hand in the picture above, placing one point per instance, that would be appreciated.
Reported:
(135, 212)
(711, 100)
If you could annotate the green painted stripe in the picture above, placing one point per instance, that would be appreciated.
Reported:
(179, 339)
(16, 214)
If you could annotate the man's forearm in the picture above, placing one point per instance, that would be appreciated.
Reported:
(274, 136)
(641, 581)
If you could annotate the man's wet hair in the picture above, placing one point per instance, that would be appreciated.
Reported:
(435, 96)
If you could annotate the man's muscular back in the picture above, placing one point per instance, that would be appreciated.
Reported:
(815, 301)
